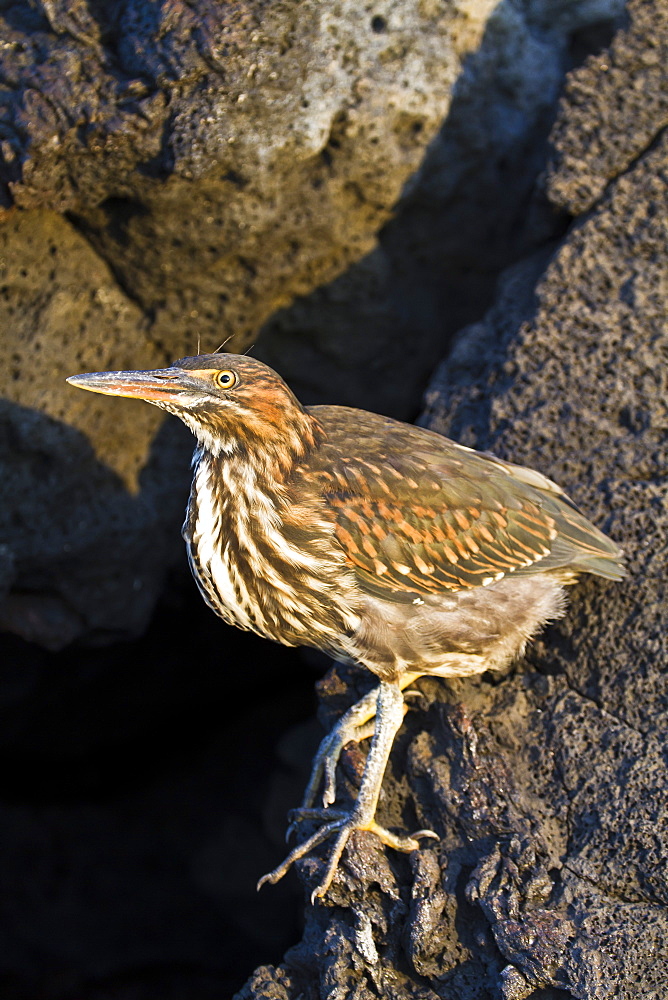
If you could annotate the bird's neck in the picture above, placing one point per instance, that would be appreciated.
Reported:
(257, 545)
(270, 453)
(251, 474)
(229, 494)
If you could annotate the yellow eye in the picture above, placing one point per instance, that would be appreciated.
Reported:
(226, 379)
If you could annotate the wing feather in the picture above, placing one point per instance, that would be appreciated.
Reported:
(414, 511)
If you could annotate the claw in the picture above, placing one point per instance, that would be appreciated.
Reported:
(425, 833)
(329, 791)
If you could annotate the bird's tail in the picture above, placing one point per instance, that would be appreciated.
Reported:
(581, 545)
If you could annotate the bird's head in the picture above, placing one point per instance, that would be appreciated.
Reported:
(231, 402)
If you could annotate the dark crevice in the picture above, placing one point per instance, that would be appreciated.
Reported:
(126, 209)
(604, 711)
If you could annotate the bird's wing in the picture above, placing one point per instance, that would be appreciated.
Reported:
(416, 512)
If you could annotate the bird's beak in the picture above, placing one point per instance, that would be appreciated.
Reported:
(156, 385)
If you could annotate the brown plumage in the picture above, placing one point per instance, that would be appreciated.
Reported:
(371, 539)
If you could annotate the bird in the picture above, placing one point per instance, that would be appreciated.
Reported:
(379, 542)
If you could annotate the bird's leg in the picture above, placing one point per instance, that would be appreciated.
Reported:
(389, 716)
(355, 725)
(352, 726)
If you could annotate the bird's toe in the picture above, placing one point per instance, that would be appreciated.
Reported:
(400, 842)
(343, 825)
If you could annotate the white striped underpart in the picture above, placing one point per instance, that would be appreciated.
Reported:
(249, 572)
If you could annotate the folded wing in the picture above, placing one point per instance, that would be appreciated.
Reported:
(417, 513)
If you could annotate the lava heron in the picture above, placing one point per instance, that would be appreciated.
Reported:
(374, 540)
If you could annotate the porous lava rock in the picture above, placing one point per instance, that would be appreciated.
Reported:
(617, 105)
(375, 333)
(89, 513)
(547, 787)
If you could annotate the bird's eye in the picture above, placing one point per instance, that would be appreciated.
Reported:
(226, 379)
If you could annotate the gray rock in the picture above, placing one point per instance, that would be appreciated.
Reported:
(613, 108)
(472, 208)
(225, 158)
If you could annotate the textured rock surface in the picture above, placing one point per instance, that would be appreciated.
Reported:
(548, 787)
(91, 509)
(225, 157)
(375, 333)
(617, 103)
(55, 291)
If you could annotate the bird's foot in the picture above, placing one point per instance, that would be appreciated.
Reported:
(387, 705)
(342, 824)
